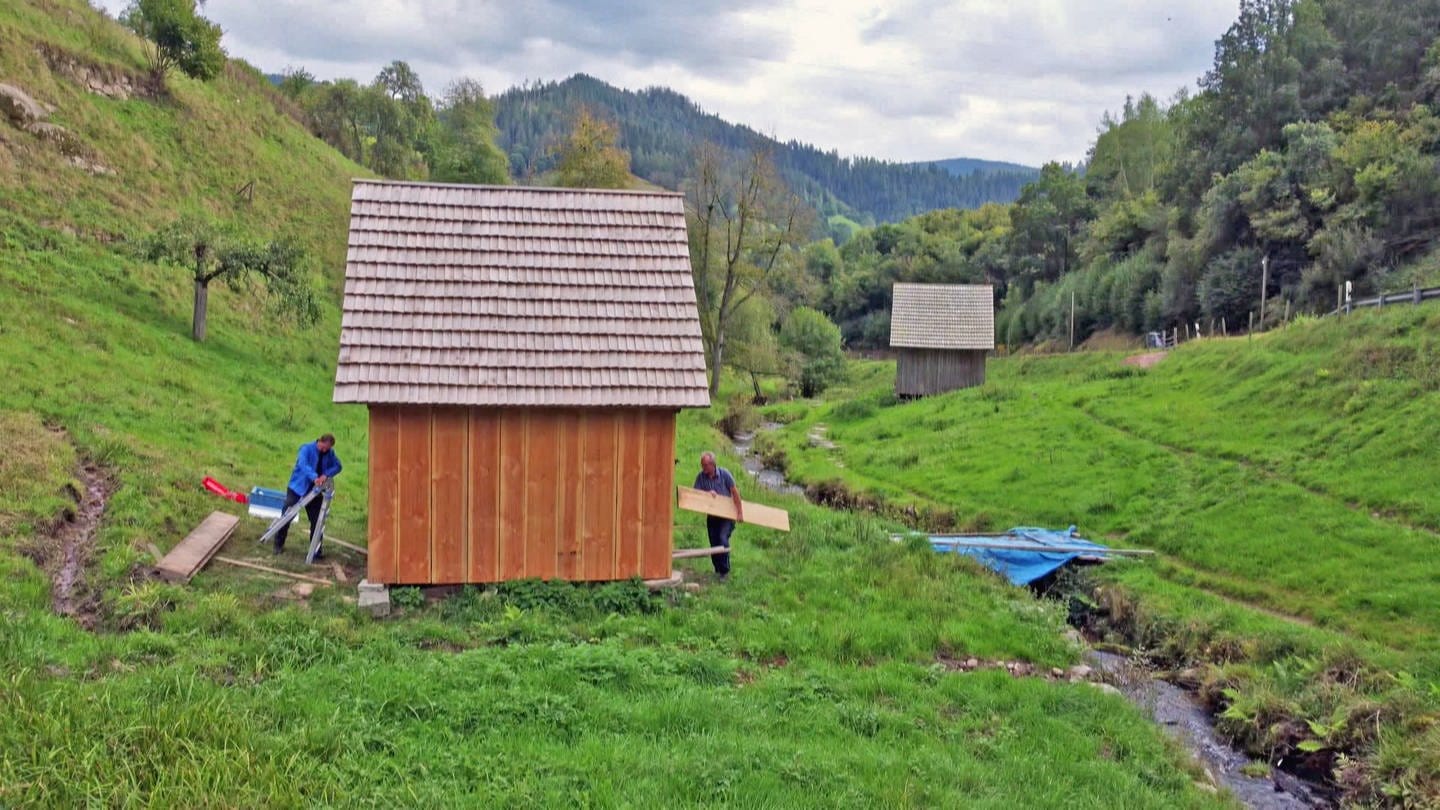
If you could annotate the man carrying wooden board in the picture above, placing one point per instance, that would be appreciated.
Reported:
(719, 481)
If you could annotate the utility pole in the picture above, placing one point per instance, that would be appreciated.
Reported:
(1264, 284)
(1072, 320)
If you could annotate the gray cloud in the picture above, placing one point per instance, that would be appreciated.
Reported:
(887, 97)
(1102, 40)
(1024, 80)
(704, 36)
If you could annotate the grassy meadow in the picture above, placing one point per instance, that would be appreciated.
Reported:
(816, 677)
(813, 678)
(1285, 481)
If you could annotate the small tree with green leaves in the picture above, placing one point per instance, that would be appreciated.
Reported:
(179, 36)
(211, 253)
(816, 343)
(591, 156)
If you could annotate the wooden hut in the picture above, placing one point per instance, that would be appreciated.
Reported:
(523, 353)
(941, 334)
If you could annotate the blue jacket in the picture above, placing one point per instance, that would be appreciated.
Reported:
(302, 480)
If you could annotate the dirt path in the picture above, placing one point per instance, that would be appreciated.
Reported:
(1259, 468)
(1145, 360)
(67, 551)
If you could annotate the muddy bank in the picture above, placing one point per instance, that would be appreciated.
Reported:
(65, 551)
(1185, 719)
(771, 479)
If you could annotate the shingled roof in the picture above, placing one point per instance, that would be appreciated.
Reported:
(942, 316)
(518, 296)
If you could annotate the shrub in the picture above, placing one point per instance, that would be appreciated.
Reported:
(811, 335)
(180, 37)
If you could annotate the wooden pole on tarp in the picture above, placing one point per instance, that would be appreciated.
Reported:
(960, 543)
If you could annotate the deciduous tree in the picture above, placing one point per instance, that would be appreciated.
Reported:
(179, 38)
(742, 220)
(211, 253)
(591, 156)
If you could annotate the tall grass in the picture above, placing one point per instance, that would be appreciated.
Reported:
(1281, 478)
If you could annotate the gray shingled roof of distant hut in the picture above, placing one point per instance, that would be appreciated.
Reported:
(516, 296)
(942, 316)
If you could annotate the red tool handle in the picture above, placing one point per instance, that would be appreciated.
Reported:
(219, 489)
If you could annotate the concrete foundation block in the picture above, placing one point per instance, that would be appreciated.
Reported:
(374, 598)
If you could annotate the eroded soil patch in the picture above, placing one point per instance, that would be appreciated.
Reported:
(65, 551)
(1147, 360)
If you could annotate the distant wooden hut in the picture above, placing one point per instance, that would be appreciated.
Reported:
(941, 334)
(523, 353)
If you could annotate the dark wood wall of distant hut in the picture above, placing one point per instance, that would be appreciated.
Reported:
(474, 495)
(922, 372)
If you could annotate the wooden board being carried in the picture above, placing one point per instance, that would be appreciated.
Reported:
(756, 514)
(198, 547)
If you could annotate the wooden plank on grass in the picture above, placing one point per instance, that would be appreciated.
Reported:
(267, 569)
(756, 514)
(329, 538)
(198, 547)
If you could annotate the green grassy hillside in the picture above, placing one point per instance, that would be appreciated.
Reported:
(818, 677)
(1288, 482)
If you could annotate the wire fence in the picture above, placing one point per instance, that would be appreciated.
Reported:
(1413, 296)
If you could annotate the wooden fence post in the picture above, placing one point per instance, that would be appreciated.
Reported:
(1223, 330)
(1264, 286)
(1072, 320)
(1250, 330)
(1416, 292)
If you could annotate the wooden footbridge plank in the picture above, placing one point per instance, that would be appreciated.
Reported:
(708, 503)
(191, 554)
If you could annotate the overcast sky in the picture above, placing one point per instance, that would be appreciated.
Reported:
(1020, 80)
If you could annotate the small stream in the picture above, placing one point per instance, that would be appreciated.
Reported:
(1176, 711)
(773, 480)
(1171, 707)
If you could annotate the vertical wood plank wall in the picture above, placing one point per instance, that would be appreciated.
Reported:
(922, 372)
(472, 495)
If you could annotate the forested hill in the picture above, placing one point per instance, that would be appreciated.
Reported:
(964, 166)
(1308, 159)
(661, 129)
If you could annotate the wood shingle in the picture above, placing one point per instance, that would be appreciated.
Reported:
(942, 316)
(516, 296)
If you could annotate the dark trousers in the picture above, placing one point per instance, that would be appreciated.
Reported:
(720, 529)
(312, 509)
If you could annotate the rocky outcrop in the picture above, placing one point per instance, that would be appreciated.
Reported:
(28, 115)
(106, 80)
(19, 108)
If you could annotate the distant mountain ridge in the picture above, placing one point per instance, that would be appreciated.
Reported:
(661, 129)
(964, 166)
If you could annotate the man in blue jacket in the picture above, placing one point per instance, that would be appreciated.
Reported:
(315, 464)
(719, 481)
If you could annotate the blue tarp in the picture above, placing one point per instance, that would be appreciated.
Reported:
(1021, 566)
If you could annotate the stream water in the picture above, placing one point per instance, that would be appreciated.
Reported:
(773, 480)
(1176, 711)
(1171, 707)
